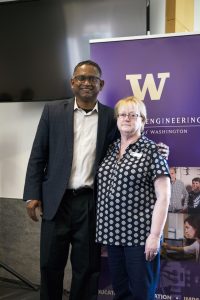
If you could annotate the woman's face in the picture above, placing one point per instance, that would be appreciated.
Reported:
(190, 232)
(129, 120)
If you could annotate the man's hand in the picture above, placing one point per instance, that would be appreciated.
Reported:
(163, 150)
(32, 206)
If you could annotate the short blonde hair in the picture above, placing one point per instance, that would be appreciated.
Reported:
(132, 100)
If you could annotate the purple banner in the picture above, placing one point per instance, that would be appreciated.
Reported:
(164, 72)
(179, 280)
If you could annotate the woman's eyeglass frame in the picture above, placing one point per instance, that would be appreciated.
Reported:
(131, 116)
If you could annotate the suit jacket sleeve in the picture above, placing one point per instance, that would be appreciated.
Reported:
(38, 160)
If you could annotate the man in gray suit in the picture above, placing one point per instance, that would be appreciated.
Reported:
(71, 139)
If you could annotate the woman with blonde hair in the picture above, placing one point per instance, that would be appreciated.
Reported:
(133, 185)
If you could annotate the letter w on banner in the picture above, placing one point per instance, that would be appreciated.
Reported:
(149, 84)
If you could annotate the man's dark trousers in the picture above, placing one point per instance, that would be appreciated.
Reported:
(73, 224)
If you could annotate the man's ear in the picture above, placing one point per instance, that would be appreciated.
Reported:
(101, 84)
(72, 81)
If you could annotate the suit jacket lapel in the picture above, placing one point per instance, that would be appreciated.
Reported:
(68, 120)
(101, 133)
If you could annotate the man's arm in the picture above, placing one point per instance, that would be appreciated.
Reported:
(185, 198)
(36, 167)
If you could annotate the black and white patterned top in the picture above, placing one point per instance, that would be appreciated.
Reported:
(125, 193)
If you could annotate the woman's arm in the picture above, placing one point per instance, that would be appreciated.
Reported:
(163, 193)
(174, 248)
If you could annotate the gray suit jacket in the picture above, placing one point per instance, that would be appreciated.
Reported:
(50, 161)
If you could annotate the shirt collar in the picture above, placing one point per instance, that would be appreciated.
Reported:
(80, 109)
(141, 143)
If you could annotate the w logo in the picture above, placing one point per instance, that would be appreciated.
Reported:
(149, 84)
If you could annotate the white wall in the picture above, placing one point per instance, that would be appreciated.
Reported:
(197, 15)
(18, 123)
(157, 16)
(158, 12)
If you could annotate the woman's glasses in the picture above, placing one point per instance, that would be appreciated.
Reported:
(131, 116)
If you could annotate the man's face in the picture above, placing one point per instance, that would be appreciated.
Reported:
(86, 83)
(172, 174)
(196, 186)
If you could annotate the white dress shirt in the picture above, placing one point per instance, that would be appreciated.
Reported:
(84, 150)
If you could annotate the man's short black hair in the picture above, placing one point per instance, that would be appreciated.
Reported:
(90, 63)
(196, 179)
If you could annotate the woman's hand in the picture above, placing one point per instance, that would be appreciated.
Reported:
(152, 246)
(166, 246)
